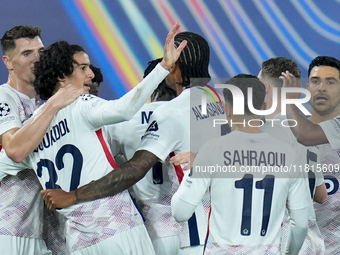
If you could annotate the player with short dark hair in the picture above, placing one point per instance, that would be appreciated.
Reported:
(270, 74)
(307, 132)
(22, 233)
(324, 86)
(247, 207)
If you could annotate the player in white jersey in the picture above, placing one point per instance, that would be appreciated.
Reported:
(153, 192)
(276, 125)
(89, 223)
(168, 132)
(324, 86)
(248, 219)
(21, 208)
(326, 131)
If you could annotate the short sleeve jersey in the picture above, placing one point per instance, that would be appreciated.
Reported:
(179, 126)
(332, 131)
(19, 195)
(65, 160)
(15, 108)
(247, 208)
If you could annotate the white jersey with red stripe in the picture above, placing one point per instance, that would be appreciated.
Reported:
(153, 193)
(247, 207)
(65, 160)
(179, 126)
(21, 206)
(314, 243)
(332, 131)
(328, 213)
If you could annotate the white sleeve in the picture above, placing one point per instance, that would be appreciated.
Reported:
(188, 196)
(163, 134)
(298, 197)
(9, 167)
(193, 187)
(100, 112)
(9, 115)
(298, 230)
(331, 128)
(297, 206)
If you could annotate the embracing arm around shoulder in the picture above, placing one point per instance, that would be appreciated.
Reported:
(114, 182)
(19, 142)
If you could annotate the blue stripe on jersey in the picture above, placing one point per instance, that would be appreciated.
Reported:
(134, 202)
(205, 242)
(193, 231)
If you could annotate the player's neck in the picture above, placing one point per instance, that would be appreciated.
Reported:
(179, 89)
(241, 123)
(22, 87)
(277, 109)
(317, 118)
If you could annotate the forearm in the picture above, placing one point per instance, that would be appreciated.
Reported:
(320, 193)
(18, 143)
(306, 132)
(117, 180)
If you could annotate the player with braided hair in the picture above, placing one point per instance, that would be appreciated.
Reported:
(153, 192)
(193, 63)
(171, 127)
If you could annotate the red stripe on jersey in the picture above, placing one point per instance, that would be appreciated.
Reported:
(207, 236)
(0, 147)
(106, 150)
(208, 222)
(178, 169)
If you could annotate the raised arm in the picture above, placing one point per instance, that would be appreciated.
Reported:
(127, 106)
(306, 132)
(19, 142)
(114, 182)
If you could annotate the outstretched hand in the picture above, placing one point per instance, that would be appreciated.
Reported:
(58, 198)
(183, 158)
(171, 53)
(290, 81)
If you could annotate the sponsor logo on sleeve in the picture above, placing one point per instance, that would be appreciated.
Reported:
(153, 126)
(148, 133)
(6, 119)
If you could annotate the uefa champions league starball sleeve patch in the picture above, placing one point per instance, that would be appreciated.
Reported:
(87, 97)
(4, 109)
